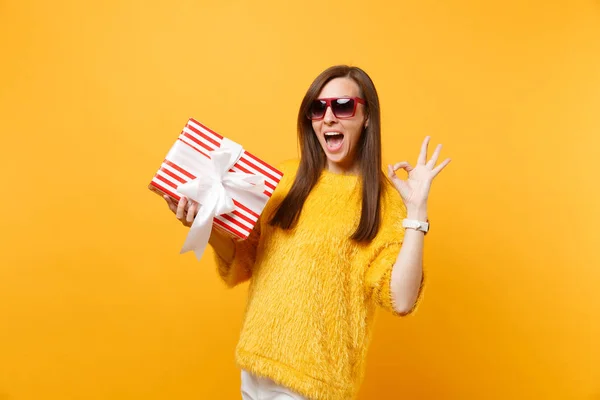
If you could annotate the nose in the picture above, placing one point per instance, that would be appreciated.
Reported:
(329, 117)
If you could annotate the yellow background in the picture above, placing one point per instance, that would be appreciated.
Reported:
(96, 302)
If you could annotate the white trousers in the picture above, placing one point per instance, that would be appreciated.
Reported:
(259, 388)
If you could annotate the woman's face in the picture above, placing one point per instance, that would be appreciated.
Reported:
(339, 137)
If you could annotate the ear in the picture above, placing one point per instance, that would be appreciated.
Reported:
(367, 123)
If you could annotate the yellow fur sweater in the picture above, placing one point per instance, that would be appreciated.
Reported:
(313, 292)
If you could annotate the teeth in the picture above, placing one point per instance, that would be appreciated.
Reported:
(333, 133)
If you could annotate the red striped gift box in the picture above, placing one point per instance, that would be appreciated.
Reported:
(202, 141)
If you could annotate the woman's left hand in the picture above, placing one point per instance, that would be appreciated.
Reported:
(415, 190)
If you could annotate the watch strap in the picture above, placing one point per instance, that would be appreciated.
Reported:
(416, 224)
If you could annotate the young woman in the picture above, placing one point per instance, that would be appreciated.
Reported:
(330, 247)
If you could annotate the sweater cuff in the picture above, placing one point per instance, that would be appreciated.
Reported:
(239, 269)
(379, 278)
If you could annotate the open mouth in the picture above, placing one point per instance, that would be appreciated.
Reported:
(334, 140)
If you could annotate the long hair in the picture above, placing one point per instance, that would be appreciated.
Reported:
(313, 159)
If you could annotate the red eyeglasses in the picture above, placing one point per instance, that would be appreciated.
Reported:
(342, 107)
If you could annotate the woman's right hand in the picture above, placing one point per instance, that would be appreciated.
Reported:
(185, 210)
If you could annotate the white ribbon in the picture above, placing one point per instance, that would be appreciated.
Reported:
(212, 191)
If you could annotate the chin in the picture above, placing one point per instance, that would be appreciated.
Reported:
(340, 160)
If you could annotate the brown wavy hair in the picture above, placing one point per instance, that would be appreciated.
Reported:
(313, 159)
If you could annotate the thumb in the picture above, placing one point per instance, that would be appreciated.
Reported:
(392, 174)
(398, 183)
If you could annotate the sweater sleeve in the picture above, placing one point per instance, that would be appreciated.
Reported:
(379, 277)
(240, 269)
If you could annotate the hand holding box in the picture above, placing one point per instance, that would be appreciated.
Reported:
(231, 185)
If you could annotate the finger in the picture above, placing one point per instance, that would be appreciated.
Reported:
(404, 165)
(191, 213)
(392, 173)
(396, 181)
(440, 167)
(181, 208)
(431, 163)
(423, 155)
(170, 203)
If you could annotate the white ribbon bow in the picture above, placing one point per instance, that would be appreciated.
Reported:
(212, 191)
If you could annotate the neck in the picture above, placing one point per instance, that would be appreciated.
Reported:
(342, 169)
